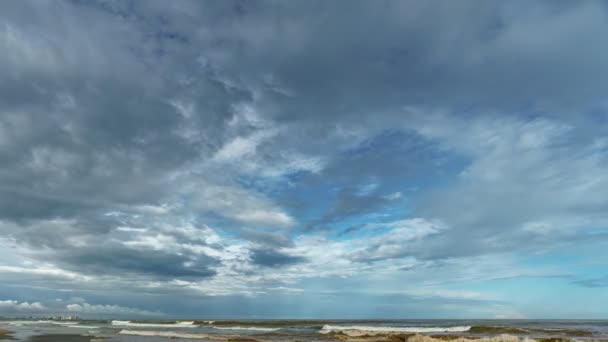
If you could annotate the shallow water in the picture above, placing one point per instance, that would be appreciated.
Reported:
(292, 330)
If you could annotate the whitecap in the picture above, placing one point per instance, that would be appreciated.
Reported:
(248, 328)
(83, 326)
(380, 329)
(169, 334)
(188, 324)
(63, 323)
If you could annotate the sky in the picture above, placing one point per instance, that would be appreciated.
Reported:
(304, 159)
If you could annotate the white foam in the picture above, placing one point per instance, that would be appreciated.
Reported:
(169, 334)
(155, 325)
(83, 326)
(63, 323)
(247, 328)
(379, 329)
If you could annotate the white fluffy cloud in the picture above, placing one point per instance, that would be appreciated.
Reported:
(241, 205)
(81, 308)
(13, 306)
(89, 309)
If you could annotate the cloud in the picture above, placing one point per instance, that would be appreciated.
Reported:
(193, 149)
(45, 272)
(119, 252)
(267, 238)
(12, 306)
(240, 205)
(490, 199)
(88, 309)
(274, 258)
(80, 308)
(115, 259)
(396, 240)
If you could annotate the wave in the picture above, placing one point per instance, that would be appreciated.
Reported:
(247, 328)
(155, 325)
(499, 338)
(380, 329)
(83, 326)
(489, 329)
(169, 334)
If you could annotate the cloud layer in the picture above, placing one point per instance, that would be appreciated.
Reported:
(183, 157)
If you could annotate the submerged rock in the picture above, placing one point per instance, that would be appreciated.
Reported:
(397, 337)
(5, 334)
(62, 338)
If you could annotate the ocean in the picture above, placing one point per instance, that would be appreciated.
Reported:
(305, 330)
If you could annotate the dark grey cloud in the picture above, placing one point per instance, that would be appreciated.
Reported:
(463, 54)
(115, 259)
(272, 239)
(122, 115)
(274, 258)
(89, 127)
(95, 248)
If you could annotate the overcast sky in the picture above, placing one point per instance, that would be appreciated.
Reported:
(299, 159)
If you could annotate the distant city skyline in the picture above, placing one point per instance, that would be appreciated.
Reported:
(304, 159)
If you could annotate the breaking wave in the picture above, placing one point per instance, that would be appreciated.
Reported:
(169, 334)
(155, 325)
(248, 328)
(499, 338)
(83, 326)
(376, 329)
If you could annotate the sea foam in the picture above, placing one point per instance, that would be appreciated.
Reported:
(155, 325)
(83, 326)
(379, 329)
(499, 338)
(169, 334)
(248, 328)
